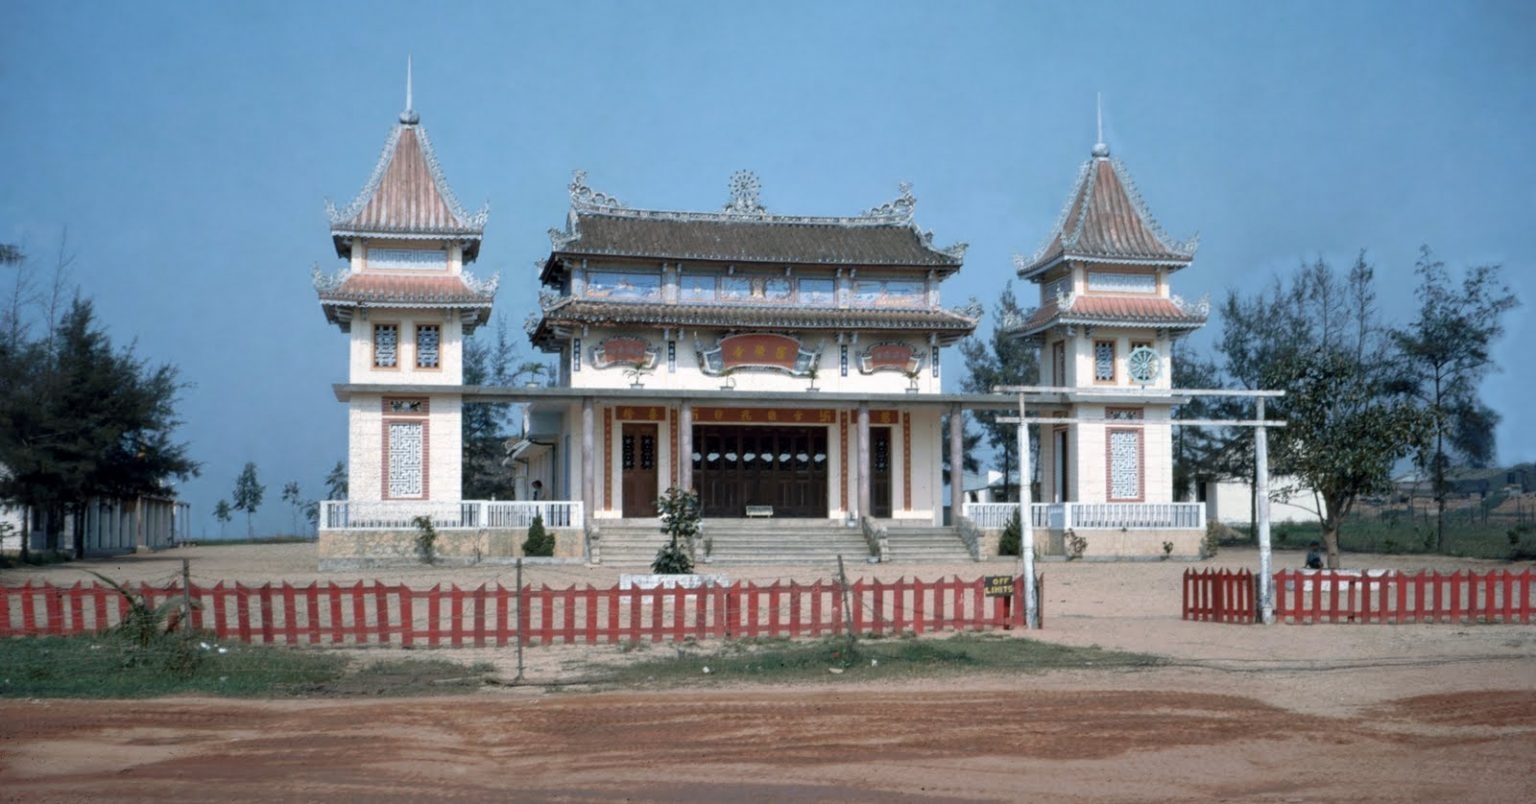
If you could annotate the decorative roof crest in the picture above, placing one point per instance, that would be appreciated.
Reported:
(744, 196)
(1199, 309)
(972, 309)
(328, 283)
(584, 197)
(482, 287)
(898, 210)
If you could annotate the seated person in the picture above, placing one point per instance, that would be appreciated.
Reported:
(1315, 556)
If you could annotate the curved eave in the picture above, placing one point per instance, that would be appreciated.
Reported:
(1184, 324)
(560, 321)
(1034, 270)
(340, 310)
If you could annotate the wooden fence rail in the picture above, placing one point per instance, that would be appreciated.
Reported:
(1388, 596)
(385, 614)
(1223, 596)
(1363, 596)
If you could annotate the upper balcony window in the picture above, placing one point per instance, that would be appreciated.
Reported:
(1111, 282)
(407, 259)
(818, 291)
(696, 288)
(890, 293)
(620, 286)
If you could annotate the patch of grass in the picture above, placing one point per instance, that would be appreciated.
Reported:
(218, 542)
(780, 660)
(110, 666)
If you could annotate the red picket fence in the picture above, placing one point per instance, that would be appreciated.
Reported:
(1388, 596)
(1223, 596)
(362, 614)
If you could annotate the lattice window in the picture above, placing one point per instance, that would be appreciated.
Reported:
(386, 345)
(428, 339)
(1124, 465)
(1111, 282)
(1059, 364)
(1104, 361)
(407, 463)
(1124, 414)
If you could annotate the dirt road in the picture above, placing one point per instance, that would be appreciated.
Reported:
(1288, 713)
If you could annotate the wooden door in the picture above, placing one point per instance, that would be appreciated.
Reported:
(637, 466)
(880, 472)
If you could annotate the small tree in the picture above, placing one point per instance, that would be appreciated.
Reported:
(223, 513)
(336, 482)
(1445, 354)
(291, 496)
(680, 516)
(247, 496)
(1011, 543)
(540, 542)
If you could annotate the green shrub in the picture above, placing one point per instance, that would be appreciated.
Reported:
(680, 515)
(1012, 540)
(426, 539)
(540, 542)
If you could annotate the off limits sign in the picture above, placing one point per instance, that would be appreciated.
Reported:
(999, 585)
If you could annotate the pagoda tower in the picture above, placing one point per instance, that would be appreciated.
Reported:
(407, 304)
(1105, 326)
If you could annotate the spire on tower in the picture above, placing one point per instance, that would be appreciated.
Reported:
(1100, 148)
(409, 116)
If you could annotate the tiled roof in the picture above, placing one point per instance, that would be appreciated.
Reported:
(1106, 221)
(1115, 310)
(947, 324)
(340, 297)
(449, 289)
(407, 197)
(754, 240)
(744, 232)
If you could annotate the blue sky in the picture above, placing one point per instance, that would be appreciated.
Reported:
(189, 149)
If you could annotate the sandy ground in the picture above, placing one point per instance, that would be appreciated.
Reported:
(1291, 713)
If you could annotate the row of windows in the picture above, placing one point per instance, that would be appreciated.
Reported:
(386, 346)
(1103, 361)
(768, 289)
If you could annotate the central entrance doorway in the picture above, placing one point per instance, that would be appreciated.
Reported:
(637, 462)
(781, 467)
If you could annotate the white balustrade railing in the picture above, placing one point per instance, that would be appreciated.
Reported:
(446, 515)
(1060, 516)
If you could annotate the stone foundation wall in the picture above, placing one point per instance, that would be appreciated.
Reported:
(355, 549)
(1110, 544)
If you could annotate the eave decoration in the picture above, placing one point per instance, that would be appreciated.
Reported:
(889, 356)
(758, 351)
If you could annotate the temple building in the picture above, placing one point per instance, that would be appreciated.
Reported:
(785, 367)
(778, 364)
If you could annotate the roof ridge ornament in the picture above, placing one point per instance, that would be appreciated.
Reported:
(744, 202)
(585, 198)
(409, 116)
(898, 210)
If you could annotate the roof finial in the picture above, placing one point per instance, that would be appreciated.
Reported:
(409, 116)
(1100, 148)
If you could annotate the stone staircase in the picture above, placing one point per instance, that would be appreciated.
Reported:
(741, 542)
(910, 544)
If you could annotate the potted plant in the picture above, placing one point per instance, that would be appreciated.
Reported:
(730, 381)
(637, 372)
(912, 375)
(812, 371)
(532, 374)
